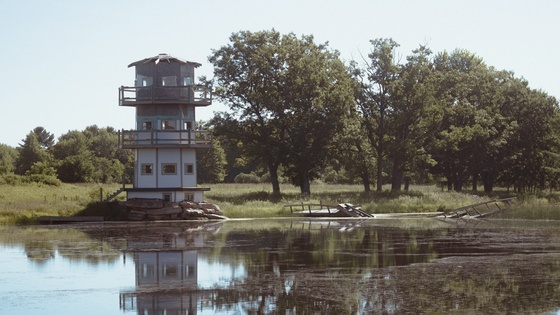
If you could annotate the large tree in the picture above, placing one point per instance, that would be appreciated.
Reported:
(533, 146)
(30, 152)
(467, 123)
(288, 98)
(8, 156)
(75, 161)
(477, 135)
(91, 155)
(414, 116)
(211, 162)
(374, 98)
(45, 138)
(247, 79)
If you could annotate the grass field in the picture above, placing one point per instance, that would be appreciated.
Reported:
(23, 202)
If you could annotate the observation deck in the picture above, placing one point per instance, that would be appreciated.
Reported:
(197, 95)
(133, 139)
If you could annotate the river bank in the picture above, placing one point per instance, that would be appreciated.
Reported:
(23, 203)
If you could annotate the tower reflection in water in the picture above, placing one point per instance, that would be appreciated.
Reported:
(168, 279)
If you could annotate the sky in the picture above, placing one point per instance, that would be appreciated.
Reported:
(62, 61)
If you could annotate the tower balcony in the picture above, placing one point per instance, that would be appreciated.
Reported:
(198, 95)
(134, 139)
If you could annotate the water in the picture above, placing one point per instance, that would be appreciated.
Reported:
(284, 266)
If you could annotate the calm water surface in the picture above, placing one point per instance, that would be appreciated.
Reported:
(285, 266)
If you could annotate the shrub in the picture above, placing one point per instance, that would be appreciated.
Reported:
(243, 178)
(12, 179)
(44, 179)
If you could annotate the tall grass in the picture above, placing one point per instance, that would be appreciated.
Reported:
(23, 202)
(257, 200)
(531, 207)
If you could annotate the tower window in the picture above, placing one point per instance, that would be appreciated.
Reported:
(147, 168)
(169, 270)
(168, 125)
(189, 169)
(169, 81)
(187, 81)
(142, 81)
(169, 169)
(147, 125)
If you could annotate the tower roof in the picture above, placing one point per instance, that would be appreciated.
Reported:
(164, 58)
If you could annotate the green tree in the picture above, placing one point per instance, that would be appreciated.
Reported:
(353, 154)
(470, 119)
(92, 155)
(488, 156)
(45, 138)
(108, 159)
(288, 97)
(102, 142)
(374, 101)
(247, 77)
(8, 157)
(76, 168)
(211, 163)
(30, 152)
(414, 116)
(532, 148)
(318, 94)
(75, 161)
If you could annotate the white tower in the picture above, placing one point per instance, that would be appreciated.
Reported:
(165, 140)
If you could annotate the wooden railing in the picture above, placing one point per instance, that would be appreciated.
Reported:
(129, 139)
(480, 210)
(199, 95)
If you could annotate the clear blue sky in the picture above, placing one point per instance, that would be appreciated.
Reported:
(61, 62)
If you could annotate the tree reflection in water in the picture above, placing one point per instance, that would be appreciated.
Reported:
(327, 267)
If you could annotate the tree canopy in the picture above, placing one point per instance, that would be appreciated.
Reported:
(288, 98)
(91, 155)
(434, 117)
(297, 113)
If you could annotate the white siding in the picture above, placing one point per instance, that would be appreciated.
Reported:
(158, 157)
(169, 156)
(189, 157)
(146, 156)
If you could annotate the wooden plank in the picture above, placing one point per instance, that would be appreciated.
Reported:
(174, 210)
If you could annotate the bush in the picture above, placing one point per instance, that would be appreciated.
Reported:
(265, 178)
(44, 179)
(243, 178)
(12, 179)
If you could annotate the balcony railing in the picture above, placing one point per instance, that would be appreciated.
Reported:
(131, 139)
(198, 95)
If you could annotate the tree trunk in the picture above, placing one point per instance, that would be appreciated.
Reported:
(398, 174)
(273, 171)
(364, 174)
(458, 185)
(488, 182)
(475, 182)
(366, 181)
(305, 187)
(406, 183)
(450, 181)
(379, 173)
(380, 149)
